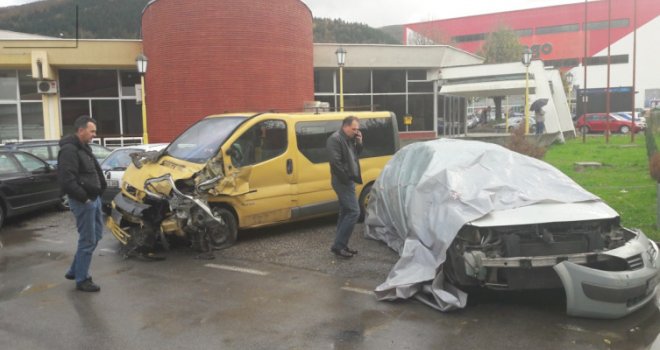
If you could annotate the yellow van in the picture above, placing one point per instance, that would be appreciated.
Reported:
(236, 171)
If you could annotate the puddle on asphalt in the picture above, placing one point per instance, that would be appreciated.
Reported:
(17, 237)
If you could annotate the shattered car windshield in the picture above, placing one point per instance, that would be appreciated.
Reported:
(201, 141)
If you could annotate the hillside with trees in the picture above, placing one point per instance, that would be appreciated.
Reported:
(120, 19)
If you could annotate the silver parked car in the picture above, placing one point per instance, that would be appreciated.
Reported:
(468, 213)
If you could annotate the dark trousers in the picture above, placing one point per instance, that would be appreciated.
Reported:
(349, 212)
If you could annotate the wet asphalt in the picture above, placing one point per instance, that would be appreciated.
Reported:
(278, 288)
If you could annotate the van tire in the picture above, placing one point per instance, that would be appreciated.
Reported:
(364, 201)
(227, 233)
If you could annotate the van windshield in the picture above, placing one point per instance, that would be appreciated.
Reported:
(202, 141)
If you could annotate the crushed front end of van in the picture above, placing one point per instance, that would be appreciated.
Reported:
(167, 193)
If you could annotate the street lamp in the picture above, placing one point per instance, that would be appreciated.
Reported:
(141, 62)
(526, 60)
(341, 61)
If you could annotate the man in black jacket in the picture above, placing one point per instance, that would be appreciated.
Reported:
(344, 146)
(82, 180)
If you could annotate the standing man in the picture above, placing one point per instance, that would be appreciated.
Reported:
(539, 116)
(82, 180)
(344, 147)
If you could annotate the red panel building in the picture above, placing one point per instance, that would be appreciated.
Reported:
(555, 34)
(209, 56)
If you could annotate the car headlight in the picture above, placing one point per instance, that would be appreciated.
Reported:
(652, 251)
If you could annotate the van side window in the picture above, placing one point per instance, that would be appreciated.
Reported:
(377, 133)
(263, 141)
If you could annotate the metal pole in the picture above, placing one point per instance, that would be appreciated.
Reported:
(585, 98)
(607, 94)
(341, 88)
(634, 72)
(526, 99)
(145, 136)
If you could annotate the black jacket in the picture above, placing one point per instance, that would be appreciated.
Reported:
(344, 161)
(78, 170)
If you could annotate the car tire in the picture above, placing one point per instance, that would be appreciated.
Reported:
(584, 129)
(624, 129)
(225, 235)
(63, 205)
(364, 201)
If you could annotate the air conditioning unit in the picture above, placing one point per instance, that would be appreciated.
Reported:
(47, 86)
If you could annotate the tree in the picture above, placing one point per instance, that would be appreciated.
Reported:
(501, 46)
(427, 36)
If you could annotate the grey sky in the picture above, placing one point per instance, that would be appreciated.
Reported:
(378, 13)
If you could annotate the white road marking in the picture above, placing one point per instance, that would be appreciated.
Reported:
(357, 290)
(49, 240)
(108, 250)
(237, 269)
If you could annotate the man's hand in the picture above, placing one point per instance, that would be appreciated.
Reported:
(358, 137)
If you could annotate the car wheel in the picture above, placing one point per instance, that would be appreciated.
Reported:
(364, 201)
(624, 129)
(223, 235)
(584, 129)
(63, 205)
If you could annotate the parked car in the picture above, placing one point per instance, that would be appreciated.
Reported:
(27, 183)
(597, 122)
(516, 122)
(114, 166)
(465, 214)
(48, 149)
(640, 121)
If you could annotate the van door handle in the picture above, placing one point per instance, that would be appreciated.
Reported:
(289, 166)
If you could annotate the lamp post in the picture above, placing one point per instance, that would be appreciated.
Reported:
(569, 80)
(341, 61)
(141, 62)
(526, 60)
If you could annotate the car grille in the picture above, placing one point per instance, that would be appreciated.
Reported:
(635, 262)
(131, 190)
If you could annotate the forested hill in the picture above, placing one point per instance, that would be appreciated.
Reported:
(120, 19)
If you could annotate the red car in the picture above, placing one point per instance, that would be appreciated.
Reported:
(596, 122)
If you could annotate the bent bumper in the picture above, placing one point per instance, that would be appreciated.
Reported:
(607, 294)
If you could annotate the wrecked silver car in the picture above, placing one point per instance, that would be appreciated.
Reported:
(467, 213)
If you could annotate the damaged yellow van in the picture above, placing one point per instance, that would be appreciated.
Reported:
(235, 171)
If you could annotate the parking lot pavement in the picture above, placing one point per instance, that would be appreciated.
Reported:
(278, 288)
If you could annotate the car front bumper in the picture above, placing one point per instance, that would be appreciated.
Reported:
(607, 294)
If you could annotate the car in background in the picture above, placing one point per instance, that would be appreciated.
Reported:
(27, 183)
(114, 166)
(48, 149)
(600, 122)
(515, 123)
(641, 121)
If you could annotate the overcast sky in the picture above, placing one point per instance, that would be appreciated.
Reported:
(378, 13)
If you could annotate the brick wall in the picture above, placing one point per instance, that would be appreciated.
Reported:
(215, 56)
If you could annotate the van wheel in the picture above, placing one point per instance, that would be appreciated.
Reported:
(364, 201)
(223, 235)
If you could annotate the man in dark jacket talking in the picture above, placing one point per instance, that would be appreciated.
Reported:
(344, 146)
(82, 181)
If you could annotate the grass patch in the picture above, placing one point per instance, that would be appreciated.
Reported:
(623, 181)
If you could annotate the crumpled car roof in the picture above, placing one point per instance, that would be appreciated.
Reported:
(429, 190)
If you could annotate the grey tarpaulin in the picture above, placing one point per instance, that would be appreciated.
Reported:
(429, 190)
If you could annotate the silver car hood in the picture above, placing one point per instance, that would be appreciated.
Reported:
(545, 213)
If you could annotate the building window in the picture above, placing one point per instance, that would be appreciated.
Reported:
(566, 62)
(108, 96)
(388, 81)
(602, 60)
(324, 80)
(523, 32)
(469, 37)
(21, 113)
(356, 81)
(617, 23)
(558, 29)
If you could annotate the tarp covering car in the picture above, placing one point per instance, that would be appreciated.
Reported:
(429, 190)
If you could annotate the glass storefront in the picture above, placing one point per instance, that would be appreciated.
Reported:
(21, 111)
(106, 95)
(404, 92)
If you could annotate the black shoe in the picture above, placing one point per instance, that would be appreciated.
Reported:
(352, 251)
(70, 276)
(88, 286)
(342, 253)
